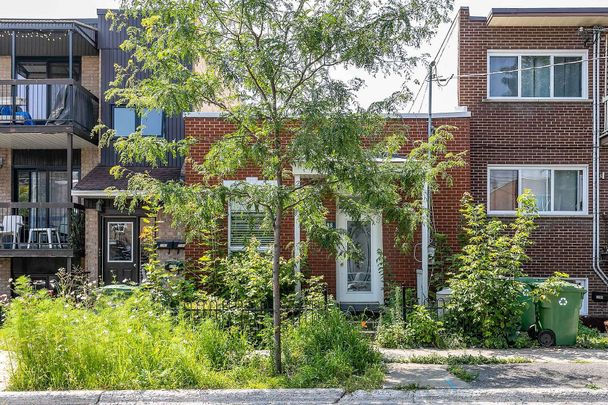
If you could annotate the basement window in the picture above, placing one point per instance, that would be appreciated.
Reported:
(559, 190)
(537, 75)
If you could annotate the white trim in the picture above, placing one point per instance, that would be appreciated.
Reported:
(107, 239)
(583, 53)
(450, 114)
(552, 167)
(102, 193)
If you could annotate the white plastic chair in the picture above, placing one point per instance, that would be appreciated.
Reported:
(11, 226)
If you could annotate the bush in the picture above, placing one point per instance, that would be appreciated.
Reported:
(590, 338)
(326, 350)
(422, 329)
(484, 306)
(131, 344)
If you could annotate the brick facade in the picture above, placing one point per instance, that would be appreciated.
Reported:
(531, 132)
(90, 74)
(401, 266)
(5, 67)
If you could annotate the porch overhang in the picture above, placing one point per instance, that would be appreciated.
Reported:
(51, 137)
(52, 32)
(548, 17)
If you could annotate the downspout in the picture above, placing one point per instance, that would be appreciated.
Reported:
(596, 155)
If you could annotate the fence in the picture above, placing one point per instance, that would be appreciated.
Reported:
(254, 322)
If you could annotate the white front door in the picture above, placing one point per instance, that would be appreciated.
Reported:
(359, 278)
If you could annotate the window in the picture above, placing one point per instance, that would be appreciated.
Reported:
(537, 74)
(246, 223)
(126, 121)
(558, 190)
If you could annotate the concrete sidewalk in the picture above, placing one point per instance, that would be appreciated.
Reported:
(537, 354)
(309, 396)
(170, 397)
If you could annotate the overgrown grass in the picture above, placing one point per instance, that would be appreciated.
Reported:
(460, 372)
(134, 344)
(410, 387)
(466, 359)
(329, 351)
(589, 338)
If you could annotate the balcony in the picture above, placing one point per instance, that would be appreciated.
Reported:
(32, 107)
(41, 230)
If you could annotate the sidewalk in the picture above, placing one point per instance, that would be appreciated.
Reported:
(308, 396)
(540, 355)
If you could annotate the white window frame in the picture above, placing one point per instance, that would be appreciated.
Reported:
(552, 53)
(231, 183)
(520, 190)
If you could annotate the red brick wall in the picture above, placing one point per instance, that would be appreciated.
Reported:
(558, 132)
(402, 266)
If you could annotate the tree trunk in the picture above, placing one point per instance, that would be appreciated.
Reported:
(276, 286)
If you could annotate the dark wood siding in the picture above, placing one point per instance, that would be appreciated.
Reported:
(110, 53)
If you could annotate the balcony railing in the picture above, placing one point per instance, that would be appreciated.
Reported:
(31, 103)
(41, 229)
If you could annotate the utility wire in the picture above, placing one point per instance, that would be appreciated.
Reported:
(437, 57)
(436, 79)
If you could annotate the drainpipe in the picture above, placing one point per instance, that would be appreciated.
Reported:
(596, 155)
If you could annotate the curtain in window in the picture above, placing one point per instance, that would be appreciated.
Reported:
(568, 190)
(535, 81)
(503, 190)
(539, 182)
(567, 78)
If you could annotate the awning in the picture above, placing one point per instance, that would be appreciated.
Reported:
(549, 17)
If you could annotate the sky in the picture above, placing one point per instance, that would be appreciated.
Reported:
(444, 99)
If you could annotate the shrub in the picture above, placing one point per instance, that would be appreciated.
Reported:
(484, 306)
(422, 329)
(130, 344)
(590, 338)
(325, 350)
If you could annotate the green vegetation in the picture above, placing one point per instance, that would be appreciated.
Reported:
(135, 343)
(484, 306)
(328, 351)
(589, 338)
(464, 359)
(269, 71)
(410, 387)
(592, 386)
(460, 372)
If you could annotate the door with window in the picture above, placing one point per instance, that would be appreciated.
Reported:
(121, 250)
(358, 277)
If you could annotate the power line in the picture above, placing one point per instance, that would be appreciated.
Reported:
(437, 57)
(519, 69)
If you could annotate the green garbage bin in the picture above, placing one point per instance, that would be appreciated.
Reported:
(557, 316)
(528, 317)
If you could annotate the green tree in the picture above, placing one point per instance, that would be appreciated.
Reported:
(484, 305)
(270, 70)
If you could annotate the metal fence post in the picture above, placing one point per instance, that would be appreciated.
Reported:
(403, 311)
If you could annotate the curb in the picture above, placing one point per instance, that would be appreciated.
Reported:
(245, 396)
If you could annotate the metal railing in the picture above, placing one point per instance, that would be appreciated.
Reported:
(41, 226)
(47, 102)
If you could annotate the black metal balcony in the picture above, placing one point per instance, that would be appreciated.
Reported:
(41, 229)
(47, 106)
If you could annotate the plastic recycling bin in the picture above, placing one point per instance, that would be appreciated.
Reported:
(558, 316)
